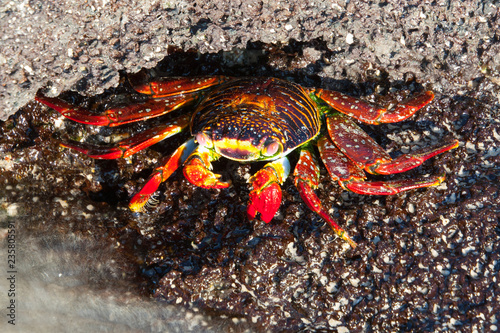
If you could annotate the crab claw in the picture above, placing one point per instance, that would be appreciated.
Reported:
(197, 169)
(265, 197)
(197, 174)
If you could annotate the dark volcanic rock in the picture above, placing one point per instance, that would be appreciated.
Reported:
(82, 45)
(427, 260)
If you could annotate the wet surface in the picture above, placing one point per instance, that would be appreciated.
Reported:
(426, 259)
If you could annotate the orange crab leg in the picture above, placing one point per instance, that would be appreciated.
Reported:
(265, 197)
(166, 168)
(171, 86)
(133, 144)
(306, 180)
(197, 169)
(374, 114)
(117, 116)
(351, 177)
(358, 146)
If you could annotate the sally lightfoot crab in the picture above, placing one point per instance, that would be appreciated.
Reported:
(261, 119)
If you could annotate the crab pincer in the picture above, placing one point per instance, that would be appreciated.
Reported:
(265, 197)
(197, 169)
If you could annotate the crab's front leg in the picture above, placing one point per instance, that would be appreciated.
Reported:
(265, 197)
(162, 172)
(306, 180)
(198, 166)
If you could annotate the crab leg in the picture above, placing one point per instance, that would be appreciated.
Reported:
(166, 168)
(367, 154)
(391, 187)
(171, 86)
(197, 169)
(371, 113)
(306, 180)
(117, 116)
(167, 94)
(409, 161)
(265, 197)
(351, 177)
(133, 144)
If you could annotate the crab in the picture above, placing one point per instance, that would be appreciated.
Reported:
(261, 119)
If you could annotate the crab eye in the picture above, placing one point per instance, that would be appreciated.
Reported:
(203, 139)
(272, 148)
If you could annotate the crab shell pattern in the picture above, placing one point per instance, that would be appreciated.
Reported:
(260, 119)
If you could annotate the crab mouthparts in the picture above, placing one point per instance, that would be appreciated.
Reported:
(238, 150)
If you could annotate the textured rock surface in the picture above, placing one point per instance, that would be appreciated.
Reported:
(427, 259)
(81, 45)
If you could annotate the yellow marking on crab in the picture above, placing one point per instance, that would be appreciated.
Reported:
(238, 150)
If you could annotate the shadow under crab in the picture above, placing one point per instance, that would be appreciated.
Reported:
(261, 119)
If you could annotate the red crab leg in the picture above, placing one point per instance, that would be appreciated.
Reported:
(117, 116)
(265, 197)
(351, 177)
(197, 169)
(409, 161)
(390, 187)
(367, 154)
(338, 165)
(371, 113)
(306, 180)
(166, 168)
(133, 144)
(170, 86)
